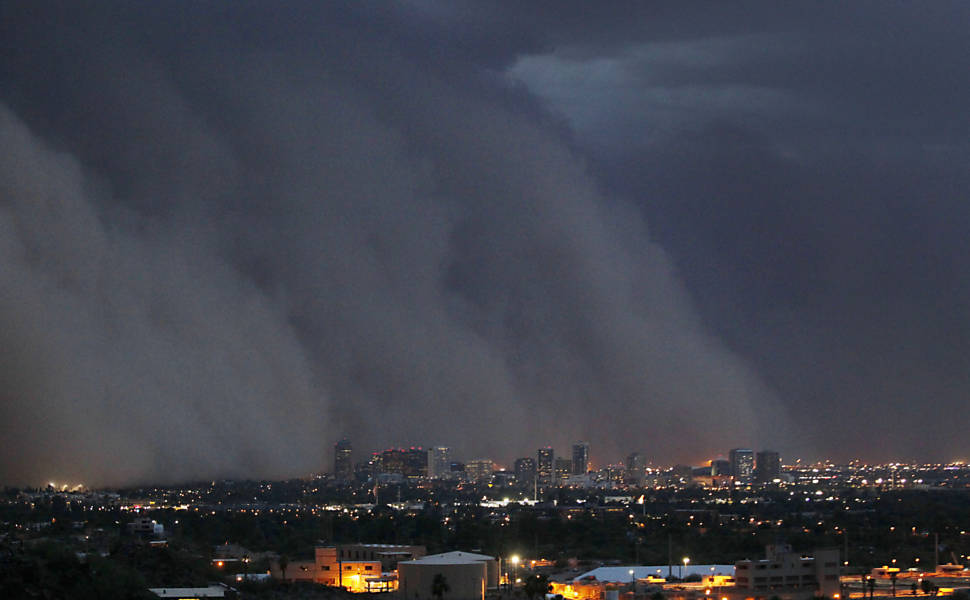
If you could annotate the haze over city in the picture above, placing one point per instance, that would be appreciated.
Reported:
(232, 234)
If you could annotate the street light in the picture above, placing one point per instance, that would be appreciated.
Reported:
(515, 568)
(686, 560)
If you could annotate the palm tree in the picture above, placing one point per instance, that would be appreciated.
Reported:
(439, 586)
(283, 564)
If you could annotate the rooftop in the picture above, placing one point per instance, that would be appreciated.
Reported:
(622, 574)
(450, 558)
(213, 591)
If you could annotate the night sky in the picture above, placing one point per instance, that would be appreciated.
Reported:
(232, 233)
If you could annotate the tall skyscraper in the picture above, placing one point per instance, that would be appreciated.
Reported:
(768, 466)
(439, 462)
(742, 464)
(525, 471)
(580, 458)
(545, 463)
(343, 463)
(410, 462)
(479, 470)
(416, 462)
(634, 468)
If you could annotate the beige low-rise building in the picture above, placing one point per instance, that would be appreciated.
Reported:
(355, 575)
(296, 570)
(789, 575)
(388, 554)
(327, 569)
(356, 567)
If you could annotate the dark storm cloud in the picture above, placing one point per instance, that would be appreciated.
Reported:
(130, 349)
(234, 234)
(808, 175)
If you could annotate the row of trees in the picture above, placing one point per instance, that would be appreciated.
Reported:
(927, 586)
(532, 587)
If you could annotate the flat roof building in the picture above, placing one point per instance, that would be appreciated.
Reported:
(387, 554)
(466, 574)
(789, 575)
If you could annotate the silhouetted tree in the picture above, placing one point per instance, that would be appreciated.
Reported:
(284, 562)
(537, 585)
(439, 586)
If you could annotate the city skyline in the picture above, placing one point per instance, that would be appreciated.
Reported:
(442, 453)
(231, 235)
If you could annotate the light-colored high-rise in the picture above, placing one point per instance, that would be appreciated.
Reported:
(439, 462)
(742, 464)
(479, 469)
